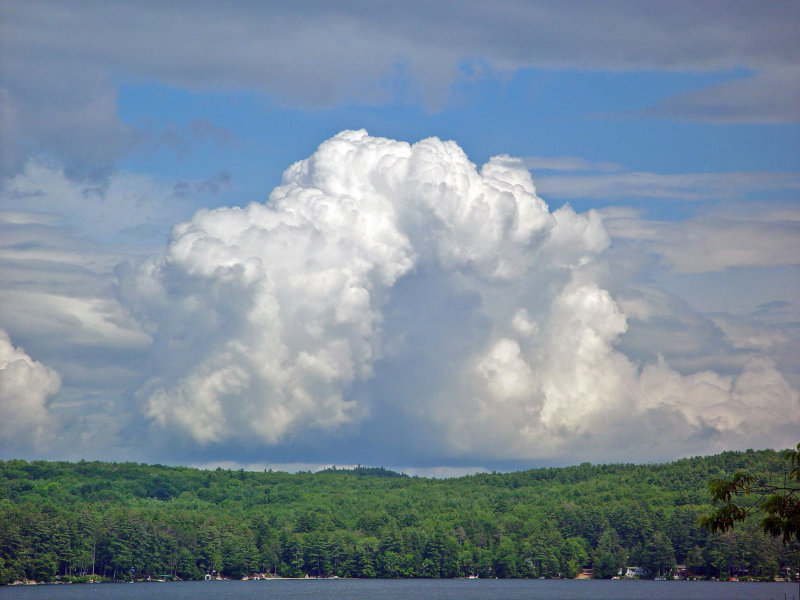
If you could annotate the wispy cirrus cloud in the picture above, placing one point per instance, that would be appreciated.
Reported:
(106, 210)
(765, 97)
(711, 242)
(564, 163)
(686, 187)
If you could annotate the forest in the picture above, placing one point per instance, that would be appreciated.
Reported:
(120, 521)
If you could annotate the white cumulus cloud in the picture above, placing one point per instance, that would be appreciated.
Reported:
(25, 388)
(384, 274)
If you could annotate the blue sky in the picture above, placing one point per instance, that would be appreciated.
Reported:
(592, 115)
(627, 256)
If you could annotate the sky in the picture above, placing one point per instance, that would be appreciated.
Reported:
(437, 237)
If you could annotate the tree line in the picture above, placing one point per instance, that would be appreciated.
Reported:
(120, 521)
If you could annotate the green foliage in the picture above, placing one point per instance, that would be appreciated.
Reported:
(90, 519)
(658, 555)
(609, 556)
(746, 493)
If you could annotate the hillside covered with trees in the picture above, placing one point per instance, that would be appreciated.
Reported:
(124, 520)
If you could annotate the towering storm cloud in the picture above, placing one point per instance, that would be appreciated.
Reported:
(383, 274)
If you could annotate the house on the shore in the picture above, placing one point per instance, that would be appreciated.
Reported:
(635, 572)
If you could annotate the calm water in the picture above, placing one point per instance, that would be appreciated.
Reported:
(459, 589)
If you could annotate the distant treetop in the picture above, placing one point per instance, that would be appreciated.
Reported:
(364, 471)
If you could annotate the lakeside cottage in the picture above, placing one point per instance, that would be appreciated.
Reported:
(634, 572)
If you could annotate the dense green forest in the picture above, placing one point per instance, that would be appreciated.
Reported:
(124, 520)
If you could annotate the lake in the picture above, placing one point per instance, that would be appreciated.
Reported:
(372, 589)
